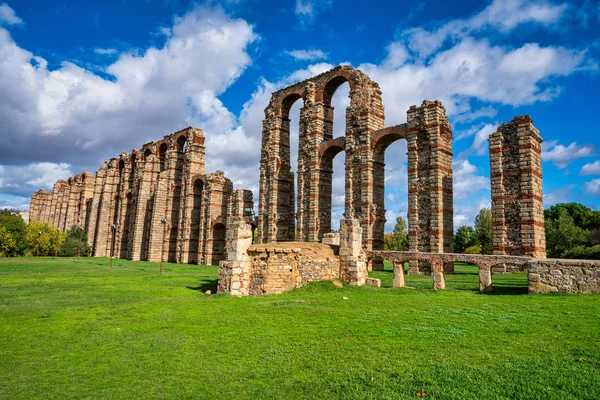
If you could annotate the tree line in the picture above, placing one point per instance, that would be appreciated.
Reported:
(18, 238)
(572, 231)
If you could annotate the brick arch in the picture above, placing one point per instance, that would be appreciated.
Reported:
(329, 82)
(380, 140)
(161, 148)
(282, 101)
(147, 152)
(331, 148)
(196, 177)
(216, 221)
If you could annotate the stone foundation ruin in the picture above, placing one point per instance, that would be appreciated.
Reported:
(152, 204)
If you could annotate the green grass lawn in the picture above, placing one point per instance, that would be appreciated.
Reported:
(71, 330)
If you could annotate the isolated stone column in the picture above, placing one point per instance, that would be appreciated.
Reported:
(430, 199)
(516, 179)
(398, 275)
(437, 270)
(353, 268)
(234, 274)
(485, 279)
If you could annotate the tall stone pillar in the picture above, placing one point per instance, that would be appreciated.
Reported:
(430, 202)
(72, 211)
(192, 171)
(106, 211)
(316, 126)
(516, 179)
(92, 223)
(165, 207)
(276, 203)
(144, 191)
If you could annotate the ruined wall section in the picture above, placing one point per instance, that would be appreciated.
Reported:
(123, 207)
(217, 195)
(430, 198)
(516, 179)
(37, 206)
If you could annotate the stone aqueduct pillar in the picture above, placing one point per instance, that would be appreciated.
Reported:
(430, 201)
(516, 178)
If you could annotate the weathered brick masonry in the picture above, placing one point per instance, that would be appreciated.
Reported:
(429, 139)
(516, 178)
(151, 204)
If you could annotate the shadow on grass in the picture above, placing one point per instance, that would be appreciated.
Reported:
(205, 284)
(514, 290)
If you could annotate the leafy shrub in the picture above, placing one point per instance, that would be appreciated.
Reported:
(473, 250)
(582, 252)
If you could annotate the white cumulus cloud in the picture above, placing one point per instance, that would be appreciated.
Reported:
(8, 15)
(591, 168)
(562, 156)
(307, 55)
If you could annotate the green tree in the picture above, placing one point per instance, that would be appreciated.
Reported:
(583, 216)
(43, 239)
(562, 235)
(72, 242)
(14, 225)
(7, 242)
(483, 230)
(398, 239)
(465, 237)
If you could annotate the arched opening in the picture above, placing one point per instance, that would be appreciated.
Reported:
(391, 275)
(332, 191)
(509, 279)
(337, 96)
(388, 219)
(162, 152)
(289, 145)
(181, 143)
(147, 153)
(194, 256)
(218, 243)
(133, 163)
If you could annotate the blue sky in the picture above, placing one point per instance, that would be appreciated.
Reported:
(81, 82)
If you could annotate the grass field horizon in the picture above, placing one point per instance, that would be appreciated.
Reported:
(83, 330)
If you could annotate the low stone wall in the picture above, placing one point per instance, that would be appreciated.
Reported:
(566, 276)
(279, 267)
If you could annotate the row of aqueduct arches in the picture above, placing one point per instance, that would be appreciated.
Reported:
(429, 140)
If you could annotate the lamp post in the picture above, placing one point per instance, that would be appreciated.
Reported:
(112, 242)
(37, 250)
(162, 252)
(80, 238)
